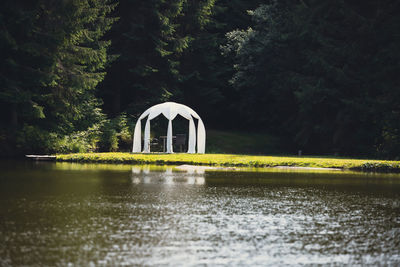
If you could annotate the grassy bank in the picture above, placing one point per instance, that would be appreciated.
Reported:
(233, 160)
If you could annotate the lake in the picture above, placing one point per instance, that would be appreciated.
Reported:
(88, 214)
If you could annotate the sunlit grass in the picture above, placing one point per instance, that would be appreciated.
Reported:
(232, 160)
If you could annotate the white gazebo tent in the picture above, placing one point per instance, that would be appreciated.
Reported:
(170, 110)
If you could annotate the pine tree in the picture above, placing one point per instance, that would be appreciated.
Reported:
(53, 60)
(27, 57)
(79, 63)
(318, 71)
(148, 44)
(205, 71)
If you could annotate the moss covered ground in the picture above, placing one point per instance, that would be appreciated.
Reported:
(233, 160)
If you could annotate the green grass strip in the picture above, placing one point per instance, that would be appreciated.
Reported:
(233, 160)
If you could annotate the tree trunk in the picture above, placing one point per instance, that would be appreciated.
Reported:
(116, 104)
(14, 115)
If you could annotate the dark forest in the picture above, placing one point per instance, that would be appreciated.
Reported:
(322, 76)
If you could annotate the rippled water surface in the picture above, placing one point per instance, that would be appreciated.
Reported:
(62, 213)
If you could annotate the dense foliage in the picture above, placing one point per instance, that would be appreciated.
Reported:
(53, 57)
(321, 75)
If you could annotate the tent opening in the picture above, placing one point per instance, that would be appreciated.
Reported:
(176, 115)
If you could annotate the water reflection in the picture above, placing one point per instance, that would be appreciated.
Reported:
(141, 175)
(60, 214)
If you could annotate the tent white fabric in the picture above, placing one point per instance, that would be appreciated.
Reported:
(170, 110)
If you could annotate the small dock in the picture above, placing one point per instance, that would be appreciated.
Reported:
(41, 157)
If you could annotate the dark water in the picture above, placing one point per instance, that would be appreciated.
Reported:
(60, 214)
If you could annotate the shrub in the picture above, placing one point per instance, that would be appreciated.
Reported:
(32, 139)
(115, 134)
(106, 135)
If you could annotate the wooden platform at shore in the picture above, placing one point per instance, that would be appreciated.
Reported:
(41, 157)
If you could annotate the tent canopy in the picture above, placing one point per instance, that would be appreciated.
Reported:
(170, 110)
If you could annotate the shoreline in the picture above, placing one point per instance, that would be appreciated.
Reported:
(234, 160)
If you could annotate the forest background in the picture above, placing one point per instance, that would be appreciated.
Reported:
(318, 76)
